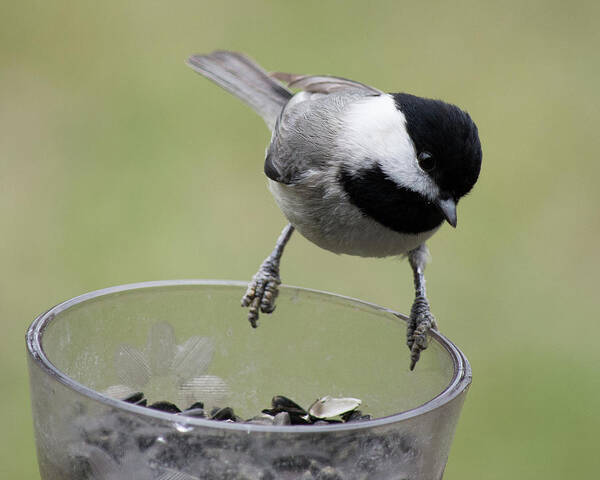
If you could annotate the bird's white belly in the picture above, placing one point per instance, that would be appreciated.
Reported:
(331, 222)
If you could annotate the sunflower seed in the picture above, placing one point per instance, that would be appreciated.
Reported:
(282, 418)
(355, 416)
(329, 407)
(165, 407)
(262, 419)
(225, 413)
(281, 403)
(193, 412)
(134, 397)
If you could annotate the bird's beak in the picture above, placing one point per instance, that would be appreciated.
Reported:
(448, 208)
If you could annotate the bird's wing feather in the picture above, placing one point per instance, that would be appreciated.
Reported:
(306, 133)
(323, 83)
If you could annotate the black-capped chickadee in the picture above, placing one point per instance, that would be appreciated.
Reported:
(355, 170)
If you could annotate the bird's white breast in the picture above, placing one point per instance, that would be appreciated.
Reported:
(329, 221)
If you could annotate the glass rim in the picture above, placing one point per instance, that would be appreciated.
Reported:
(459, 383)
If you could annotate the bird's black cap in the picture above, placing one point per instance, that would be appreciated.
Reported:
(449, 135)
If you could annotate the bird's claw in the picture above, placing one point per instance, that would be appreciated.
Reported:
(420, 322)
(262, 292)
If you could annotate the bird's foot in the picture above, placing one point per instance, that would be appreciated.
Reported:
(420, 322)
(262, 291)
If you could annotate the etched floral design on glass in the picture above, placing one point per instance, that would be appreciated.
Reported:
(165, 370)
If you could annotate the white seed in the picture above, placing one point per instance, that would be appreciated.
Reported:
(329, 407)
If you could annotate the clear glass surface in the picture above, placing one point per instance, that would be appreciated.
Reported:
(188, 341)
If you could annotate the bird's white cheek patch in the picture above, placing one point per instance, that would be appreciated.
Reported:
(374, 130)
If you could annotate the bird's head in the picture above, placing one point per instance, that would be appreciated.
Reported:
(408, 160)
(447, 151)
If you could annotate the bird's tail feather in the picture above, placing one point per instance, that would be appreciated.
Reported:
(242, 77)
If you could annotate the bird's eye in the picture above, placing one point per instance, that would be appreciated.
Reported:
(426, 161)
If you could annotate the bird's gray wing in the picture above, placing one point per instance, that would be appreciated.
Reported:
(323, 83)
(305, 133)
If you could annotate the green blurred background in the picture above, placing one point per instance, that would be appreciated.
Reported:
(119, 164)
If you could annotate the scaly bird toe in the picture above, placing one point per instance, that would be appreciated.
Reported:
(262, 292)
(420, 322)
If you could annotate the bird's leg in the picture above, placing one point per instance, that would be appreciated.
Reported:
(421, 320)
(263, 289)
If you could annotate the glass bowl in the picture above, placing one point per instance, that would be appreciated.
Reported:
(189, 341)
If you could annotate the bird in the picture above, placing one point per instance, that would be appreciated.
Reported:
(355, 170)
